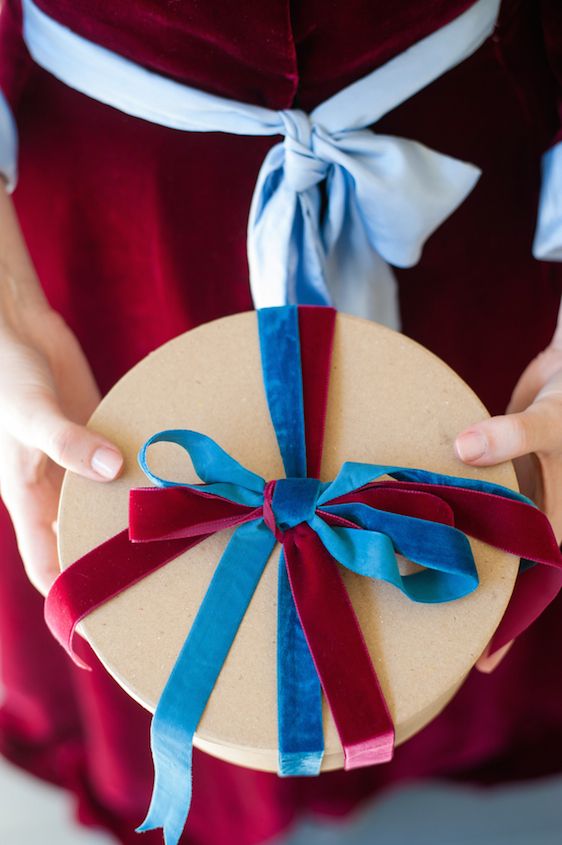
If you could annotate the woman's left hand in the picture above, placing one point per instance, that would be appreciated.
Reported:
(530, 434)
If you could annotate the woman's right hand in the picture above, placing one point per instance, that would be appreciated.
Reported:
(47, 393)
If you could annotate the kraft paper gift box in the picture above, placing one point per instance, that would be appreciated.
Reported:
(378, 398)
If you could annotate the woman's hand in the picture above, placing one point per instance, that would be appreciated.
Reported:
(530, 434)
(47, 393)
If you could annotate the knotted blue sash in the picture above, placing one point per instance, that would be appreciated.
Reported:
(383, 195)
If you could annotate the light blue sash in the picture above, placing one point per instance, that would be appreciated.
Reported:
(385, 195)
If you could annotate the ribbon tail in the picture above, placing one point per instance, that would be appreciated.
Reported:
(270, 239)
(286, 254)
(301, 739)
(195, 673)
(309, 286)
(339, 651)
(534, 590)
(165, 811)
(359, 280)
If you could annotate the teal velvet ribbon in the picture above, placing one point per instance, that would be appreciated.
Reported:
(299, 698)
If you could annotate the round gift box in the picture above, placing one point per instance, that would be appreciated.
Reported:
(391, 402)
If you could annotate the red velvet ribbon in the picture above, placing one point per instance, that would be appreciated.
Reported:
(339, 651)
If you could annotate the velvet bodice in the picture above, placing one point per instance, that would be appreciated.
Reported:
(273, 53)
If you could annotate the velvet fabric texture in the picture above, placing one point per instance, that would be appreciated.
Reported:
(139, 232)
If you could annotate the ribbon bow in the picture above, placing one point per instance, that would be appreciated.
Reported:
(383, 197)
(362, 519)
(335, 203)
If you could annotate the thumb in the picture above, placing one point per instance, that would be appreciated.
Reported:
(68, 444)
(509, 436)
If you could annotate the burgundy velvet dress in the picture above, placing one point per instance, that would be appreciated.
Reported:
(138, 233)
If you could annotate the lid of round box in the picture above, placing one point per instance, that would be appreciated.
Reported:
(390, 401)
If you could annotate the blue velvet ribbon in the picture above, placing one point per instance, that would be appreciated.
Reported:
(450, 573)
(299, 699)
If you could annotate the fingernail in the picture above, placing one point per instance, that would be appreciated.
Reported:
(471, 446)
(106, 462)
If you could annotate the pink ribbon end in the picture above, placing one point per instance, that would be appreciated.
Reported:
(370, 752)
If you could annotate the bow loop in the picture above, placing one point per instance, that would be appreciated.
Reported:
(222, 475)
(385, 196)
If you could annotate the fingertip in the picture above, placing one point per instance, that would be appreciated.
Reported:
(77, 448)
(107, 462)
(471, 445)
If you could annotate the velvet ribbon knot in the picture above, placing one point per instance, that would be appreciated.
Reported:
(360, 521)
(289, 502)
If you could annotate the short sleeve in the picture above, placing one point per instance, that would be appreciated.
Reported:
(547, 244)
(15, 65)
(8, 144)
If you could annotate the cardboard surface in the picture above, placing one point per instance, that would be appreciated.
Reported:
(392, 402)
